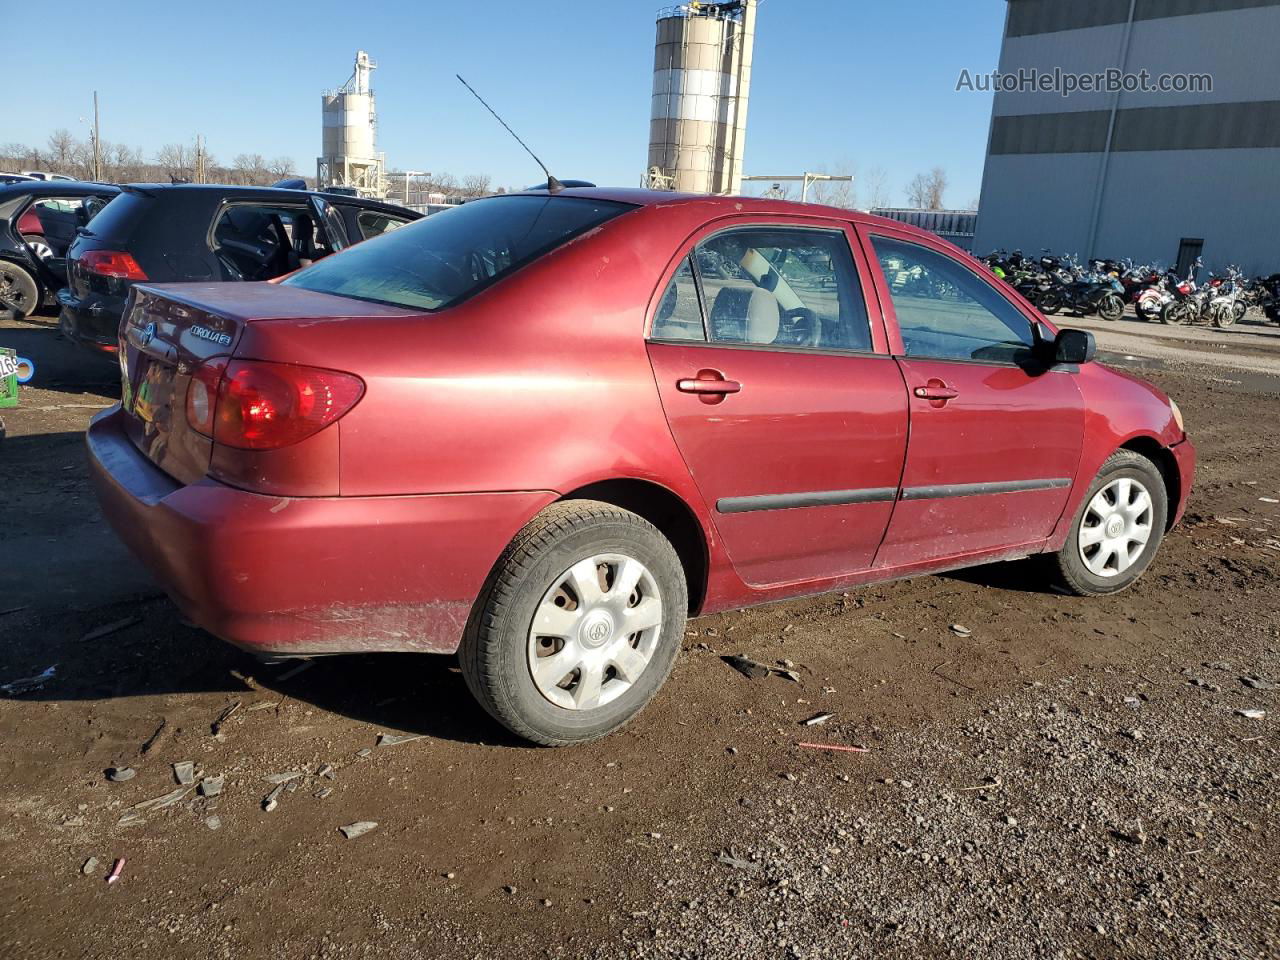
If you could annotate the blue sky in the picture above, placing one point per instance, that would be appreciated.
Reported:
(836, 84)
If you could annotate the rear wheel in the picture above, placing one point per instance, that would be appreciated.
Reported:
(38, 246)
(578, 625)
(1049, 303)
(1117, 529)
(19, 291)
(1176, 313)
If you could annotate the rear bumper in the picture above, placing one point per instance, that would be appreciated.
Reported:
(299, 576)
(1184, 454)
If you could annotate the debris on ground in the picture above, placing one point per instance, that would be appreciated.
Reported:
(728, 859)
(393, 739)
(152, 740)
(754, 670)
(121, 774)
(832, 746)
(272, 799)
(211, 786)
(326, 770)
(118, 869)
(279, 778)
(816, 719)
(213, 823)
(90, 867)
(357, 829)
(1136, 837)
(184, 771)
(261, 705)
(223, 717)
(109, 628)
(1252, 714)
(28, 684)
(960, 630)
(1257, 683)
(160, 803)
(323, 792)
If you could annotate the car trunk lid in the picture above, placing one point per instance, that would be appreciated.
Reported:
(171, 330)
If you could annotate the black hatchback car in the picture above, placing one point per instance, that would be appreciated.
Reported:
(201, 232)
(38, 222)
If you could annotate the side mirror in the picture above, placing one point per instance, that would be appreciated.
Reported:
(1074, 346)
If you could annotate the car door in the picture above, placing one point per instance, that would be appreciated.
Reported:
(331, 230)
(996, 434)
(781, 395)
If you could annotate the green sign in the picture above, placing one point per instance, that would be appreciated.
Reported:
(8, 377)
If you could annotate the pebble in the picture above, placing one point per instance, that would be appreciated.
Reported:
(213, 823)
(90, 867)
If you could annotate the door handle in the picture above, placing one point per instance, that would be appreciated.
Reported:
(709, 385)
(937, 393)
(720, 387)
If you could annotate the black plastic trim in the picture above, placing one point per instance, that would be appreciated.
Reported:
(944, 491)
(819, 498)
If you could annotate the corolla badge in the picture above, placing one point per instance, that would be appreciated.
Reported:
(213, 336)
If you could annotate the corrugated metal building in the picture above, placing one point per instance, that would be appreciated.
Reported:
(1143, 174)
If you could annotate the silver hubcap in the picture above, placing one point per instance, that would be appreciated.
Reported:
(1116, 527)
(595, 631)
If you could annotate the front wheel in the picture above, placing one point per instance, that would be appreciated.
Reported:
(1111, 307)
(1049, 303)
(1118, 528)
(578, 626)
(1176, 313)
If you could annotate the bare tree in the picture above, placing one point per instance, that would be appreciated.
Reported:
(836, 193)
(250, 168)
(926, 190)
(281, 167)
(176, 159)
(475, 184)
(62, 147)
(875, 187)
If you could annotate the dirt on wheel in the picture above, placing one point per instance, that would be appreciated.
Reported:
(1032, 775)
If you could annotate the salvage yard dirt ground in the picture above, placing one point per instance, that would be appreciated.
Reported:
(1063, 777)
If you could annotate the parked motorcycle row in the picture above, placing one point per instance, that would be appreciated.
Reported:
(1105, 287)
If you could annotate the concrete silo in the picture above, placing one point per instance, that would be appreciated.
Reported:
(349, 157)
(701, 83)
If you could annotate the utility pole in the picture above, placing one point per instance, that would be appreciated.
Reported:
(97, 142)
(199, 171)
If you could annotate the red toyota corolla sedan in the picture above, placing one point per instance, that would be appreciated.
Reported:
(541, 430)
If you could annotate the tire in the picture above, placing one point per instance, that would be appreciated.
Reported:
(1083, 566)
(1176, 313)
(534, 583)
(1240, 308)
(1049, 303)
(19, 291)
(1224, 316)
(1111, 307)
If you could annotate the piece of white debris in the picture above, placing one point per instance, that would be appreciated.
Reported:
(1252, 714)
(357, 829)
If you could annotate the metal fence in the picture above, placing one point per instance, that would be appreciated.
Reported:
(955, 226)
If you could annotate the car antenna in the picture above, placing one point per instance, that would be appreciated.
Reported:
(553, 185)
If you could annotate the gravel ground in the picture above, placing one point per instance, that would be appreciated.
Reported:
(1071, 778)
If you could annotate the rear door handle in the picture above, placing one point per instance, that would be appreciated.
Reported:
(720, 387)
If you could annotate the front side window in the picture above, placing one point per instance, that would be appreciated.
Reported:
(374, 223)
(769, 286)
(260, 241)
(945, 311)
(439, 260)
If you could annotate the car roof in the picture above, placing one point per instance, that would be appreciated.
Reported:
(55, 188)
(718, 206)
(263, 193)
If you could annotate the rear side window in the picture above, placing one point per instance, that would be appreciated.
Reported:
(945, 311)
(116, 221)
(769, 286)
(439, 260)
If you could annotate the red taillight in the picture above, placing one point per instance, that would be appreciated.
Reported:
(112, 263)
(256, 405)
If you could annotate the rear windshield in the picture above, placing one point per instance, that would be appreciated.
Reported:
(118, 218)
(448, 256)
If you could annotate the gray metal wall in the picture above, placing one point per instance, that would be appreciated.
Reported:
(1201, 165)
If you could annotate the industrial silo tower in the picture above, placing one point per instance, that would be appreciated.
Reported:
(348, 155)
(701, 82)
